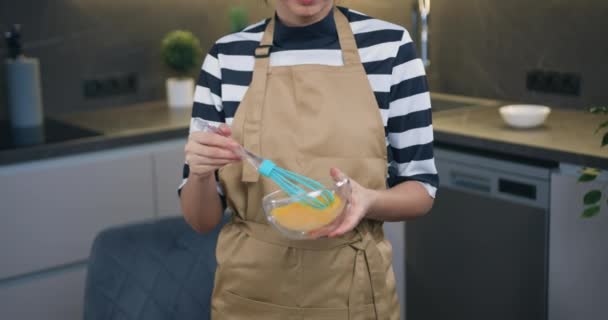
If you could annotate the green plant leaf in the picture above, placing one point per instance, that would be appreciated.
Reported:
(238, 18)
(181, 51)
(599, 110)
(587, 178)
(589, 174)
(591, 212)
(592, 197)
(605, 140)
(602, 126)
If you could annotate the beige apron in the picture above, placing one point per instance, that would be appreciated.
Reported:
(306, 118)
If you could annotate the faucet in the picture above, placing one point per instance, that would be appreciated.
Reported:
(420, 15)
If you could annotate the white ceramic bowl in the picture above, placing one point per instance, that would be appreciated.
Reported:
(524, 115)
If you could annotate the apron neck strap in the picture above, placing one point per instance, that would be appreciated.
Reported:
(350, 52)
(263, 50)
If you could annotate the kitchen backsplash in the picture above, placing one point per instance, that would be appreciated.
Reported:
(486, 47)
(478, 47)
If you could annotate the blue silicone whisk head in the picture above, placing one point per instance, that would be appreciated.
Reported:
(297, 185)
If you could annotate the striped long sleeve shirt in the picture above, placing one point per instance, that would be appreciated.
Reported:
(395, 73)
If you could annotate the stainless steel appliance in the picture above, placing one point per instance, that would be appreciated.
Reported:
(482, 251)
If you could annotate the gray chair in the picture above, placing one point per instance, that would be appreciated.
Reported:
(160, 270)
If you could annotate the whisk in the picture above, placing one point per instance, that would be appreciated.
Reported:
(295, 185)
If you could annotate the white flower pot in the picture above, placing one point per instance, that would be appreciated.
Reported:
(180, 92)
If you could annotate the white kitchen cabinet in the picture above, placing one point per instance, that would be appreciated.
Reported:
(51, 210)
(168, 164)
(395, 233)
(54, 296)
(578, 254)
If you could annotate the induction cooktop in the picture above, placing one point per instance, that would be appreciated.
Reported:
(51, 132)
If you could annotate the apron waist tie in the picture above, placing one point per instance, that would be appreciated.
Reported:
(377, 276)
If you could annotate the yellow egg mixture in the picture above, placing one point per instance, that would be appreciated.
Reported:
(301, 217)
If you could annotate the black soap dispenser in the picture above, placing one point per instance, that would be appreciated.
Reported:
(23, 82)
(13, 41)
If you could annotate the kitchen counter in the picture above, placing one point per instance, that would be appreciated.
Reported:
(568, 136)
(140, 119)
(115, 127)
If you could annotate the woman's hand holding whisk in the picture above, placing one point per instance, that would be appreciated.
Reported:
(208, 151)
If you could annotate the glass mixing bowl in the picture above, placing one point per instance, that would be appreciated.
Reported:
(295, 219)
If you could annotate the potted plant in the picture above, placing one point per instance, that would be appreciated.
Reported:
(181, 52)
(238, 18)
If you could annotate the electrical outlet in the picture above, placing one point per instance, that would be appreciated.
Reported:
(110, 85)
(554, 82)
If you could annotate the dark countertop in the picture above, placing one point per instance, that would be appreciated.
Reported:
(568, 136)
(115, 127)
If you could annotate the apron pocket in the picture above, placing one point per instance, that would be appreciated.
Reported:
(232, 306)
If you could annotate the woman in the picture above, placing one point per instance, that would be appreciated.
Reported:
(314, 88)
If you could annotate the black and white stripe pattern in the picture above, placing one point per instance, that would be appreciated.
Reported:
(395, 74)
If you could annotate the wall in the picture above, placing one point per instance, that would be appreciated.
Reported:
(479, 47)
(485, 47)
(77, 39)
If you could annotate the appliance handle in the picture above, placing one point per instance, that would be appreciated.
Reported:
(517, 189)
(471, 181)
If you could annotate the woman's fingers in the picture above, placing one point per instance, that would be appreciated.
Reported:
(211, 152)
(197, 160)
(207, 151)
(225, 130)
(355, 210)
(324, 231)
(348, 224)
(337, 174)
(215, 140)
